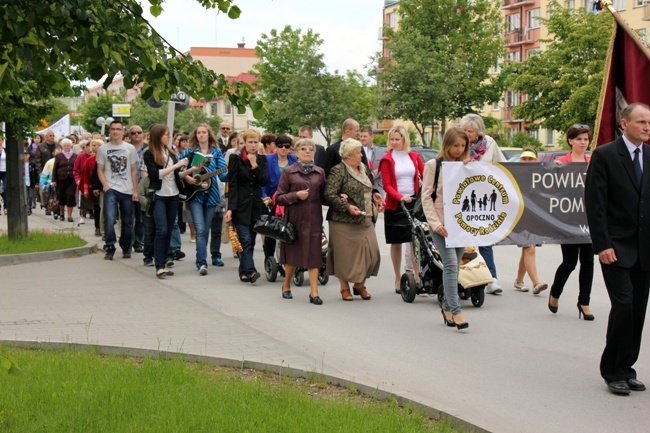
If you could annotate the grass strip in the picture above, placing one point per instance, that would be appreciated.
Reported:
(70, 391)
(40, 241)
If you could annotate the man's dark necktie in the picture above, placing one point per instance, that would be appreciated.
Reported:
(637, 167)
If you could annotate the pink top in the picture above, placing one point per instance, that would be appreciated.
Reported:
(569, 158)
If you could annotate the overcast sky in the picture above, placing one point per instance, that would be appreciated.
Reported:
(349, 28)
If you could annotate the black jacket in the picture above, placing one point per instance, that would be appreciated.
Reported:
(245, 189)
(155, 182)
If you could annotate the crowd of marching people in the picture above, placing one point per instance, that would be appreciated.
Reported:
(154, 184)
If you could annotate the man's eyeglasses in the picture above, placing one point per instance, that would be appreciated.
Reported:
(225, 129)
(136, 132)
(307, 149)
(579, 126)
(283, 146)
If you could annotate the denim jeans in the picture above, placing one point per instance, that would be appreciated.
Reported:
(488, 256)
(215, 235)
(246, 236)
(164, 214)
(138, 226)
(202, 215)
(450, 260)
(113, 199)
(149, 236)
(175, 242)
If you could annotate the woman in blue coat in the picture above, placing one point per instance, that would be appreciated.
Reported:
(276, 163)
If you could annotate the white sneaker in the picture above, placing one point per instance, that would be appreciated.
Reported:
(203, 270)
(493, 288)
(82, 220)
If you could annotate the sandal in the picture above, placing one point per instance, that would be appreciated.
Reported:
(521, 286)
(539, 287)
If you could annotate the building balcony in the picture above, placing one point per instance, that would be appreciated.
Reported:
(519, 37)
(510, 4)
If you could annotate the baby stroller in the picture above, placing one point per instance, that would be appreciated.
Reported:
(272, 266)
(472, 279)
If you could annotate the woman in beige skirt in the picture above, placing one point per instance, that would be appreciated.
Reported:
(353, 253)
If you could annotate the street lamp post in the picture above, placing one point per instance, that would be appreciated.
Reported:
(103, 122)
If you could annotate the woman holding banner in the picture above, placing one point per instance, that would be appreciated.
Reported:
(578, 137)
(483, 148)
(455, 147)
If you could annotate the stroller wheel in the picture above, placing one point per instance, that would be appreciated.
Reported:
(408, 287)
(271, 268)
(323, 277)
(299, 277)
(478, 295)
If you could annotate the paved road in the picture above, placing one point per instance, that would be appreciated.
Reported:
(517, 369)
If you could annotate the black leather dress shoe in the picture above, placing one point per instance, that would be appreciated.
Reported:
(287, 294)
(635, 385)
(618, 387)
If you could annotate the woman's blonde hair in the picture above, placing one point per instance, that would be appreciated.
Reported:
(405, 136)
(450, 138)
(348, 146)
(250, 133)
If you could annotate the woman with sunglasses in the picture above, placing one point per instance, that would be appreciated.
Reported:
(578, 136)
(276, 163)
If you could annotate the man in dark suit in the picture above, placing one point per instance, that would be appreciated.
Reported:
(617, 199)
(373, 154)
(332, 156)
(223, 137)
(319, 156)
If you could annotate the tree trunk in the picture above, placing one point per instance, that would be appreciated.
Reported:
(15, 185)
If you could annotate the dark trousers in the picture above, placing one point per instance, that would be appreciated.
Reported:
(138, 226)
(570, 255)
(164, 215)
(628, 293)
(215, 235)
(246, 236)
(96, 212)
(269, 246)
(149, 236)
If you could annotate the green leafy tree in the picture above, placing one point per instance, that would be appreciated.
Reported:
(46, 46)
(285, 56)
(440, 58)
(98, 106)
(298, 90)
(58, 110)
(563, 82)
(145, 116)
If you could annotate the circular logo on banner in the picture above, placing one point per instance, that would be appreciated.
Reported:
(486, 203)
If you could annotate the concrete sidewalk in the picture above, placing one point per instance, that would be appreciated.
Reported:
(517, 369)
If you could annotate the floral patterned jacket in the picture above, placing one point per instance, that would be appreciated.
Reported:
(341, 182)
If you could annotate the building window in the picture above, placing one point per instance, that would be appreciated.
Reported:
(495, 106)
(639, 3)
(496, 69)
(550, 137)
(514, 23)
(619, 5)
(643, 34)
(533, 52)
(534, 133)
(533, 18)
(570, 4)
(392, 20)
(227, 109)
(514, 56)
(512, 98)
(214, 109)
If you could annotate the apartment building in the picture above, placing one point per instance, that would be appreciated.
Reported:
(522, 33)
(234, 63)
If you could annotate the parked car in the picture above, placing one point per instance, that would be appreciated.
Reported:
(426, 153)
(510, 152)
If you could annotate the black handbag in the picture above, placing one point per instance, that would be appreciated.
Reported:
(276, 228)
(418, 211)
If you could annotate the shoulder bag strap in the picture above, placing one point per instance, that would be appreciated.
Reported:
(435, 181)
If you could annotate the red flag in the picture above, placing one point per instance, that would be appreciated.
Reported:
(627, 72)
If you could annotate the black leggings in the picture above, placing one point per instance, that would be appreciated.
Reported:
(570, 254)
